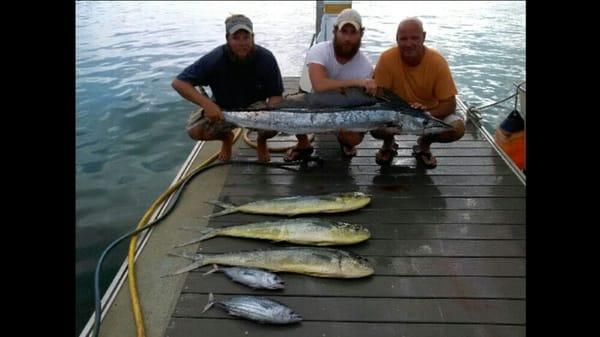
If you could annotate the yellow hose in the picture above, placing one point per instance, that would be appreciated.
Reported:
(135, 301)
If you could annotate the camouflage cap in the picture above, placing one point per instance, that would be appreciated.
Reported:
(237, 22)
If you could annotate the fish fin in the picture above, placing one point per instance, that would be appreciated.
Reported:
(213, 270)
(229, 208)
(184, 255)
(190, 229)
(197, 264)
(220, 203)
(211, 301)
(208, 234)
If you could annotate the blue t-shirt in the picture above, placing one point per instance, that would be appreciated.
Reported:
(236, 85)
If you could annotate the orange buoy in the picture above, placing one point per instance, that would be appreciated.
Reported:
(510, 136)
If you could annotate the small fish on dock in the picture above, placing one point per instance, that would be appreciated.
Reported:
(252, 277)
(255, 308)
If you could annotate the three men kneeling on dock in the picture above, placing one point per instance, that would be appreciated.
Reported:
(242, 74)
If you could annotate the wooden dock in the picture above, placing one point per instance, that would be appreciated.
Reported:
(448, 245)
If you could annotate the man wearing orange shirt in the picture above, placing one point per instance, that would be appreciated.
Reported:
(421, 76)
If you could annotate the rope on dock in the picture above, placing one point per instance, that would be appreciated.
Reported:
(475, 112)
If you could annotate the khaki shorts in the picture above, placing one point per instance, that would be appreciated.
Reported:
(211, 129)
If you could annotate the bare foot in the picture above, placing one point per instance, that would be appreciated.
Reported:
(225, 153)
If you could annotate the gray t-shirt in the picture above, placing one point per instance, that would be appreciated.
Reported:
(358, 67)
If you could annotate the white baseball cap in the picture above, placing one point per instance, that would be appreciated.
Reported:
(350, 16)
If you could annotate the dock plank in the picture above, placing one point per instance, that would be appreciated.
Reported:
(399, 191)
(376, 286)
(416, 203)
(442, 266)
(423, 231)
(235, 327)
(407, 182)
(409, 247)
(368, 309)
(405, 216)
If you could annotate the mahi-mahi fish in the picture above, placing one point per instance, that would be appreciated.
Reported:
(319, 262)
(352, 110)
(329, 203)
(306, 231)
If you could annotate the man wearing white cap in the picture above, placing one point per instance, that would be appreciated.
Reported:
(334, 65)
(239, 73)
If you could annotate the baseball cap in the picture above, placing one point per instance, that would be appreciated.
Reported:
(350, 16)
(237, 22)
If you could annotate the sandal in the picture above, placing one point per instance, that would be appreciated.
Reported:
(294, 154)
(428, 160)
(383, 153)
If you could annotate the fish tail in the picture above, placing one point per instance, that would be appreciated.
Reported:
(229, 208)
(211, 301)
(206, 234)
(214, 269)
(197, 264)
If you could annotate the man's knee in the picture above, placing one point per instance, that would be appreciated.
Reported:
(454, 134)
(458, 130)
(350, 138)
(382, 134)
(198, 132)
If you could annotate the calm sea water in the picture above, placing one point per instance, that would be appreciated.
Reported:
(130, 123)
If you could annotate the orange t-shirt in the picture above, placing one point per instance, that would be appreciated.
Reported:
(427, 83)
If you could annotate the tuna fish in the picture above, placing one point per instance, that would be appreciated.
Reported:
(307, 231)
(251, 277)
(329, 203)
(258, 309)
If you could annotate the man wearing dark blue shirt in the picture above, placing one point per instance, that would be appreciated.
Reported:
(239, 73)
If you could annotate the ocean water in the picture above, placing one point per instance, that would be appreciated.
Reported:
(130, 137)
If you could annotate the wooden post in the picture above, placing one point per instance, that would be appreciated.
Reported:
(319, 16)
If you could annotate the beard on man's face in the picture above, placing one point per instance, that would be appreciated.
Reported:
(345, 50)
(241, 58)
